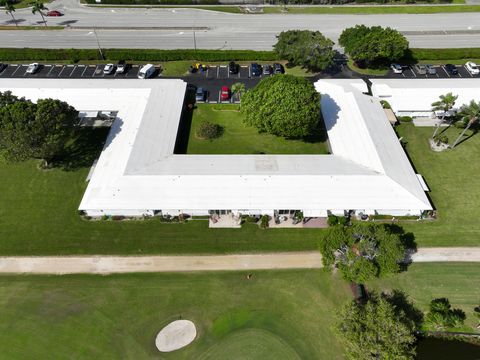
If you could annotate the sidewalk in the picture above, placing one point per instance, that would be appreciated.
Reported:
(130, 264)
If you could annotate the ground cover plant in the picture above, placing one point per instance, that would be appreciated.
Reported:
(239, 138)
(271, 315)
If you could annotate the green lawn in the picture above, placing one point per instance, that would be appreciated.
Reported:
(453, 179)
(378, 72)
(275, 315)
(239, 138)
(459, 282)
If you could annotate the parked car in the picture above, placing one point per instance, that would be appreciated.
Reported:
(233, 68)
(255, 69)
(200, 94)
(420, 69)
(225, 93)
(451, 69)
(278, 68)
(108, 69)
(431, 70)
(2, 67)
(54, 13)
(33, 68)
(146, 71)
(472, 68)
(397, 69)
(267, 70)
(121, 67)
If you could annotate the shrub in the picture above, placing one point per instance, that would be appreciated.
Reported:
(208, 131)
(264, 221)
(385, 104)
(283, 105)
(75, 55)
(443, 139)
(405, 119)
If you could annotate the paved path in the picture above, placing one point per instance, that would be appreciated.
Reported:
(130, 264)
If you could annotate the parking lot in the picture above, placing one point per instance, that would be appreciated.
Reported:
(410, 72)
(212, 79)
(66, 72)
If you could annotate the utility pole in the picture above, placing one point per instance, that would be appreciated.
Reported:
(98, 43)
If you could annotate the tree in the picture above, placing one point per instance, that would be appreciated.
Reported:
(16, 130)
(376, 330)
(209, 131)
(39, 130)
(309, 49)
(9, 9)
(470, 114)
(239, 88)
(283, 105)
(37, 6)
(373, 46)
(441, 315)
(362, 251)
(54, 125)
(445, 103)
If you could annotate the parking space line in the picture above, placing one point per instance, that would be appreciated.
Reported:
(446, 72)
(468, 72)
(83, 72)
(218, 71)
(74, 66)
(18, 67)
(413, 71)
(60, 73)
(48, 74)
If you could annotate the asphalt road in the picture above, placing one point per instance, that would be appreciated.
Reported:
(168, 28)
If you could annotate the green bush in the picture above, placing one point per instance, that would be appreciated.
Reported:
(404, 119)
(156, 2)
(208, 131)
(75, 55)
(264, 221)
(444, 54)
(385, 104)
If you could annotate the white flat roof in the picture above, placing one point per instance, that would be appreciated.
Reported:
(417, 95)
(138, 170)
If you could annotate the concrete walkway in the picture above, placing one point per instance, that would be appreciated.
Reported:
(131, 264)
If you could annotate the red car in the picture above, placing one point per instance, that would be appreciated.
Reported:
(225, 93)
(54, 13)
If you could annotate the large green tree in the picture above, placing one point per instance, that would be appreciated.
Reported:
(373, 46)
(309, 49)
(362, 251)
(39, 130)
(376, 330)
(54, 125)
(9, 8)
(16, 130)
(38, 6)
(283, 105)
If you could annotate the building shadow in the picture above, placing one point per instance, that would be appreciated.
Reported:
(330, 111)
(185, 125)
(87, 145)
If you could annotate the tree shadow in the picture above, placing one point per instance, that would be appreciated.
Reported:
(401, 302)
(86, 147)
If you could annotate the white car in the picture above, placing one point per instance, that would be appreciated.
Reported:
(108, 69)
(472, 68)
(397, 69)
(33, 68)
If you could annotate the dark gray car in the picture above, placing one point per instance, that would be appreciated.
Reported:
(421, 69)
(200, 94)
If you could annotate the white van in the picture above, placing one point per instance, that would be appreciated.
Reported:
(146, 71)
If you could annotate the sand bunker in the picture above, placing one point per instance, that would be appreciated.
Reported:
(176, 335)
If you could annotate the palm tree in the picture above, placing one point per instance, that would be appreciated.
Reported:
(471, 114)
(37, 6)
(9, 9)
(445, 104)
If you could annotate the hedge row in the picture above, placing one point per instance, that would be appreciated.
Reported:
(156, 2)
(445, 54)
(75, 55)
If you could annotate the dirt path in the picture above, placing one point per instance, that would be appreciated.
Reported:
(131, 264)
